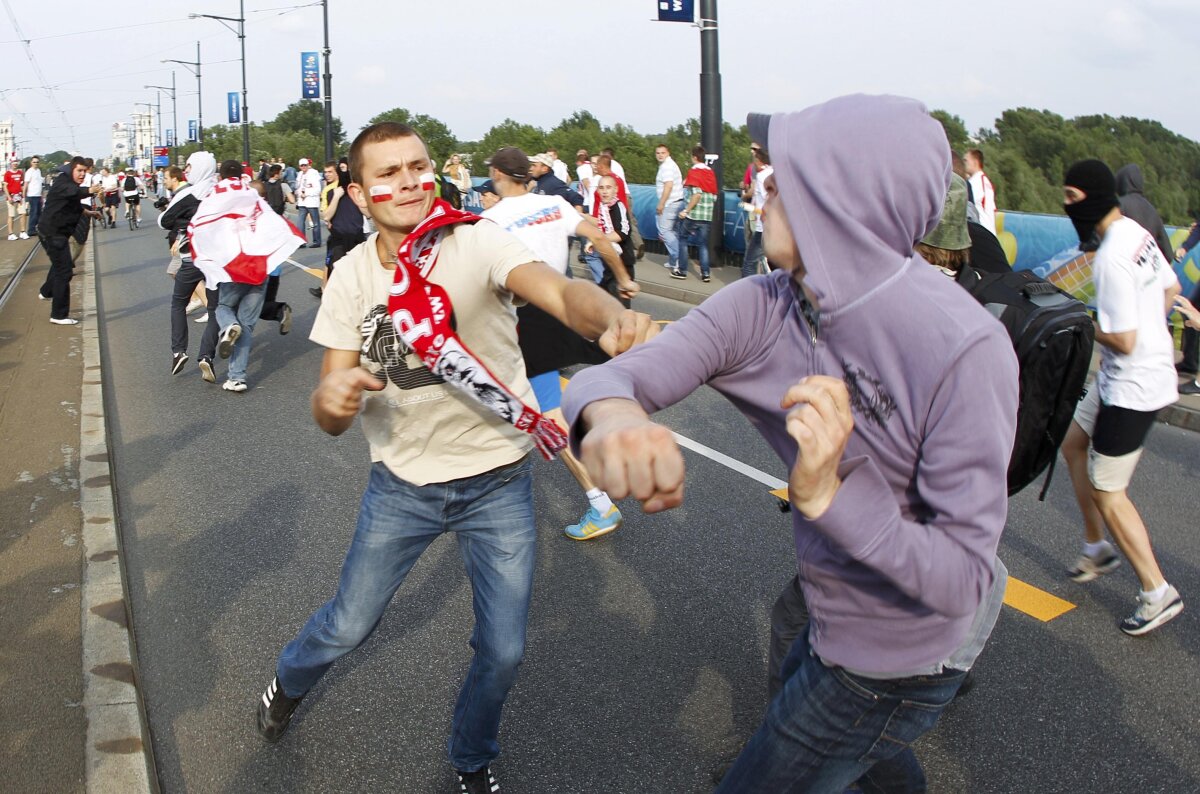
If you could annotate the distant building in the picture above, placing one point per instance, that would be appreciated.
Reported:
(8, 142)
(120, 142)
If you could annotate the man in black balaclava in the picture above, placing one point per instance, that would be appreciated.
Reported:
(1135, 287)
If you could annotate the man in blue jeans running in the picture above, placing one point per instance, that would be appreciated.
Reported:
(896, 427)
(440, 463)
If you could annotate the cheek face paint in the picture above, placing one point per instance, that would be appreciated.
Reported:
(380, 193)
(427, 181)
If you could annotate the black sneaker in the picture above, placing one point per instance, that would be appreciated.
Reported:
(275, 711)
(706, 279)
(206, 370)
(481, 781)
(1191, 387)
(678, 274)
(316, 292)
(177, 362)
(285, 322)
(228, 337)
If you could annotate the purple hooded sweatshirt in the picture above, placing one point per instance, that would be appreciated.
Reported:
(895, 569)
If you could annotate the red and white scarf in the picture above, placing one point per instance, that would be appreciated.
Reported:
(421, 311)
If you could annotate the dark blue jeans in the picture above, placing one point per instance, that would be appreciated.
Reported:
(692, 232)
(491, 516)
(828, 728)
(754, 252)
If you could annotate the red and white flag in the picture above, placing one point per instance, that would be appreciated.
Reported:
(236, 236)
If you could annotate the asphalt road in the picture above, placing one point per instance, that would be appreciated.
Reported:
(647, 649)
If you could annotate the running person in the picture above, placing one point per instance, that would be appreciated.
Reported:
(110, 185)
(1135, 289)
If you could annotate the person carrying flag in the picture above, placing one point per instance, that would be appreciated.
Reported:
(237, 241)
(420, 335)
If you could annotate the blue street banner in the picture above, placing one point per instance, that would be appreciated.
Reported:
(191, 130)
(310, 78)
(170, 137)
(161, 160)
(235, 112)
(677, 11)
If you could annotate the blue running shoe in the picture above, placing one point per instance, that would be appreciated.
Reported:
(593, 525)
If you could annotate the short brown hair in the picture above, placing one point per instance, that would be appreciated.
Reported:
(175, 172)
(378, 133)
(977, 154)
(943, 257)
(230, 169)
(699, 153)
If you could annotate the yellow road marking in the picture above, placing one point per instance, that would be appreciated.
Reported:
(1021, 596)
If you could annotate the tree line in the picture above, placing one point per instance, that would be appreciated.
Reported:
(1025, 154)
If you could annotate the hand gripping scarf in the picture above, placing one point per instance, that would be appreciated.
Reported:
(421, 311)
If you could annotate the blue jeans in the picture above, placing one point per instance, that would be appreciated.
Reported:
(241, 304)
(754, 252)
(693, 232)
(35, 213)
(595, 265)
(666, 231)
(491, 516)
(829, 728)
(315, 213)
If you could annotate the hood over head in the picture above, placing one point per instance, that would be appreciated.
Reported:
(201, 178)
(1130, 180)
(862, 179)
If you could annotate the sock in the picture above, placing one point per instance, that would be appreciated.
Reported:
(1094, 550)
(599, 500)
(1156, 594)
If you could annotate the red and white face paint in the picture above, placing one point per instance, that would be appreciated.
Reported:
(380, 193)
(427, 181)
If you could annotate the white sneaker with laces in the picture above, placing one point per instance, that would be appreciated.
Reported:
(23, 236)
(1151, 614)
(12, 237)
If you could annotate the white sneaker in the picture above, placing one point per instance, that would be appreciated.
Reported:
(23, 236)
(192, 306)
(1151, 614)
(234, 385)
(1088, 568)
(202, 318)
(12, 237)
(64, 321)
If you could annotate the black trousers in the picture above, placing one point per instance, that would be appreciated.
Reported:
(272, 309)
(57, 286)
(185, 284)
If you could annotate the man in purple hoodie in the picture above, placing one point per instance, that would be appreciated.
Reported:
(890, 393)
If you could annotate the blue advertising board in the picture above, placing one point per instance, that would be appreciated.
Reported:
(676, 11)
(191, 130)
(235, 112)
(310, 78)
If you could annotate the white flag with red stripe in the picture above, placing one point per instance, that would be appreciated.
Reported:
(236, 236)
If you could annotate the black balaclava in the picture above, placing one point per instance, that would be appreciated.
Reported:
(1099, 187)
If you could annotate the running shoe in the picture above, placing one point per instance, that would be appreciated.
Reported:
(202, 318)
(1191, 387)
(481, 781)
(193, 305)
(238, 386)
(227, 339)
(678, 274)
(316, 292)
(12, 237)
(1151, 614)
(206, 370)
(275, 710)
(23, 236)
(593, 525)
(285, 322)
(1087, 568)
(64, 321)
(177, 362)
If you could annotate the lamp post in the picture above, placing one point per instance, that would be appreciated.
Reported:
(328, 88)
(241, 34)
(174, 113)
(194, 67)
(711, 130)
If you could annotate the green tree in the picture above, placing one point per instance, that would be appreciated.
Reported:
(956, 130)
(526, 137)
(307, 115)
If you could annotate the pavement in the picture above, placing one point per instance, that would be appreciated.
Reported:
(227, 541)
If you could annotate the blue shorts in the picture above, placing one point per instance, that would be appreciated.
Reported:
(547, 389)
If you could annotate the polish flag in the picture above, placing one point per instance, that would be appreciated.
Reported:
(236, 236)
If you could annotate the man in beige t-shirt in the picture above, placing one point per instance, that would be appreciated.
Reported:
(443, 462)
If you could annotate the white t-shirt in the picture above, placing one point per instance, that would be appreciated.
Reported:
(984, 198)
(110, 183)
(587, 183)
(308, 188)
(559, 169)
(34, 181)
(668, 171)
(619, 170)
(760, 194)
(1131, 274)
(544, 223)
(421, 428)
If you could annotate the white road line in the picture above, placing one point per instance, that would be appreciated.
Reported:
(731, 463)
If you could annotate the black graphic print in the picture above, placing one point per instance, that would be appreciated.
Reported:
(868, 397)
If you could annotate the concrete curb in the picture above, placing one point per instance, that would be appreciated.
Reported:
(117, 755)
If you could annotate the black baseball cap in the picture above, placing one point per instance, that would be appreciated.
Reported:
(512, 162)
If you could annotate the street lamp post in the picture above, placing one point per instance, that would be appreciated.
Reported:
(195, 68)
(241, 34)
(328, 88)
(174, 113)
(711, 130)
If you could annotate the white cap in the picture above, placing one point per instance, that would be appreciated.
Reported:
(305, 161)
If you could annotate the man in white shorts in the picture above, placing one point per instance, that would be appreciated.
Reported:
(1135, 288)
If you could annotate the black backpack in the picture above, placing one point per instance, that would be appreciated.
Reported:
(274, 191)
(130, 183)
(1053, 335)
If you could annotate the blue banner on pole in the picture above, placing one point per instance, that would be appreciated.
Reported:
(310, 78)
(170, 137)
(235, 111)
(677, 11)
(191, 130)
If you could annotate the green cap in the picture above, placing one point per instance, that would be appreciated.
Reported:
(951, 231)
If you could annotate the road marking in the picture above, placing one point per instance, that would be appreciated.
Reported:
(1019, 595)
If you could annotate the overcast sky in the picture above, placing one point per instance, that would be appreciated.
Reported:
(472, 63)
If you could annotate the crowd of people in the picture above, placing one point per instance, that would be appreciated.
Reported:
(445, 331)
